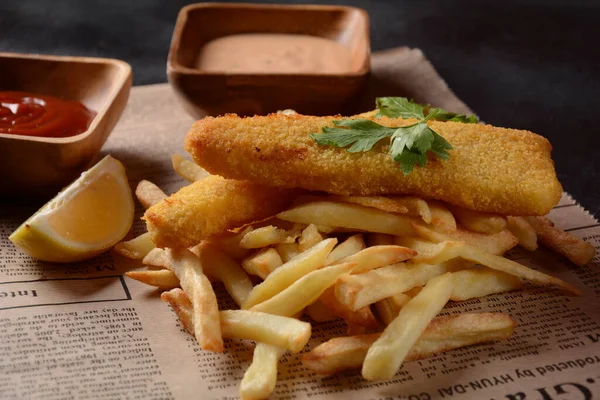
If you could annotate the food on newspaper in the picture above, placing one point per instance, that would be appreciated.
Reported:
(417, 212)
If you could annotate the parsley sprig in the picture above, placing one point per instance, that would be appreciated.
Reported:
(409, 144)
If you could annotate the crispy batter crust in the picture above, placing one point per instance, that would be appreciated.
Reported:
(211, 206)
(490, 169)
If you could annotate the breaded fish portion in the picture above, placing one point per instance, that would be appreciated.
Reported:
(490, 169)
(211, 206)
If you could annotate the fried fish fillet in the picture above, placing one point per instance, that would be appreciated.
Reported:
(490, 169)
(211, 206)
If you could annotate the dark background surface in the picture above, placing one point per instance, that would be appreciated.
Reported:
(520, 64)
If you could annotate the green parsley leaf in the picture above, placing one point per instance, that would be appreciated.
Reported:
(409, 145)
(444, 115)
(401, 107)
(362, 134)
(395, 107)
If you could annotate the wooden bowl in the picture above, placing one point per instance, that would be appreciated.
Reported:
(39, 166)
(214, 93)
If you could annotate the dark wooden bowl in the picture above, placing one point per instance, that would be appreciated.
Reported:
(39, 166)
(214, 93)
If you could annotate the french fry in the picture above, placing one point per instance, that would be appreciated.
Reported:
(187, 169)
(350, 246)
(310, 236)
(181, 304)
(441, 335)
(163, 279)
(497, 243)
(266, 236)
(378, 256)
(415, 206)
(441, 217)
(196, 285)
(304, 291)
(523, 231)
(287, 251)
(149, 194)
(357, 291)
(388, 308)
(478, 221)
(450, 250)
(261, 376)
(229, 242)
(287, 333)
(319, 312)
(379, 239)
(262, 263)
(290, 272)
(579, 252)
(386, 354)
(481, 282)
(381, 203)
(223, 268)
(363, 316)
(136, 248)
(281, 331)
(351, 216)
(354, 329)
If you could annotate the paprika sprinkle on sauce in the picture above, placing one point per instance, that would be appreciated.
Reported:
(30, 114)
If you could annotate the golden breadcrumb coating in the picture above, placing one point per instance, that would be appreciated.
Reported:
(211, 206)
(490, 169)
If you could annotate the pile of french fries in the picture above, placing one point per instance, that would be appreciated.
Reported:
(385, 265)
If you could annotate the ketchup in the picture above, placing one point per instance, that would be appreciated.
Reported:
(31, 114)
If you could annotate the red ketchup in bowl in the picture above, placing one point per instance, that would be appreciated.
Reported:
(31, 114)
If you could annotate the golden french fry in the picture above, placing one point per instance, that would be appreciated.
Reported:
(480, 282)
(287, 333)
(416, 206)
(352, 216)
(136, 248)
(229, 242)
(350, 246)
(262, 263)
(379, 239)
(497, 243)
(388, 308)
(450, 250)
(381, 203)
(325, 228)
(441, 217)
(182, 306)
(441, 335)
(523, 231)
(149, 194)
(304, 291)
(261, 376)
(319, 312)
(163, 279)
(478, 221)
(357, 291)
(310, 236)
(266, 236)
(223, 268)
(290, 272)
(578, 251)
(187, 169)
(386, 354)
(363, 316)
(378, 256)
(353, 329)
(287, 251)
(195, 284)
(281, 331)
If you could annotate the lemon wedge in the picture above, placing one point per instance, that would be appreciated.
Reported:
(86, 218)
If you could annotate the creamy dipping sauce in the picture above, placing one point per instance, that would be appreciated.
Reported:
(274, 53)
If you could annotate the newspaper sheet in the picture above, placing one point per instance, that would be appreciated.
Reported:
(85, 331)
